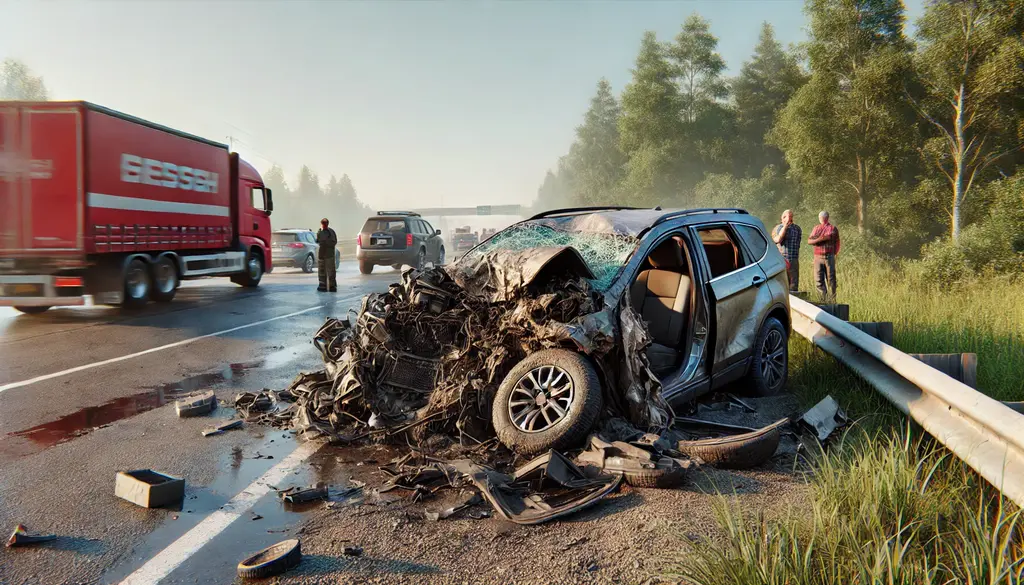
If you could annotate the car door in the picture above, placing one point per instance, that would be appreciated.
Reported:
(433, 241)
(309, 239)
(734, 287)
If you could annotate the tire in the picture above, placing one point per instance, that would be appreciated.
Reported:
(770, 365)
(365, 267)
(272, 560)
(253, 271)
(440, 256)
(579, 411)
(309, 264)
(666, 475)
(421, 259)
(396, 266)
(137, 284)
(337, 261)
(164, 275)
(32, 310)
(735, 451)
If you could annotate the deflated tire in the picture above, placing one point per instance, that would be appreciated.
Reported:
(550, 400)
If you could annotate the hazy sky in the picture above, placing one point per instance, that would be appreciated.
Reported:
(453, 103)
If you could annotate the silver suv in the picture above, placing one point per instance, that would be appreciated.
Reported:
(296, 248)
(712, 291)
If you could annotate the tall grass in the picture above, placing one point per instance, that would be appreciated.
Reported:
(983, 316)
(881, 510)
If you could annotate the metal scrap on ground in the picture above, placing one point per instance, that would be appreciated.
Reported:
(21, 537)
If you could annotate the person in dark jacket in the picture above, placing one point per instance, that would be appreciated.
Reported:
(328, 241)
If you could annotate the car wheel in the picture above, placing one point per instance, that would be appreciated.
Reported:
(421, 259)
(365, 267)
(440, 257)
(137, 284)
(770, 366)
(32, 310)
(253, 271)
(337, 261)
(550, 400)
(165, 279)
(736, 451)
(309, 264)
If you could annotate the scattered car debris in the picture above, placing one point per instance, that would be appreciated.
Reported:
(639, 466)
(273, 560)
(352, 551)
(220, 429)
(736, 451)
(21, 537)
(741, 403)
(296, 495)
(824, 418)
(148, 488)
(197, 405)
(474, 500)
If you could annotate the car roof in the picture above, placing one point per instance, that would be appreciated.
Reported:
(629, 221)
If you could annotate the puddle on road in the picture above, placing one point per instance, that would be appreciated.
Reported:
(41, 437)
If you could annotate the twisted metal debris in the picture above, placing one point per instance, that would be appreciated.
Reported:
(427, 356)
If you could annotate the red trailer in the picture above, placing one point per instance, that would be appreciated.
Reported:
(98, 206)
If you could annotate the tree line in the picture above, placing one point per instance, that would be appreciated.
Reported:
(914, 141)
(301, 207)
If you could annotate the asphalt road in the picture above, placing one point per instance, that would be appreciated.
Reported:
(85, 393)
(64, 434)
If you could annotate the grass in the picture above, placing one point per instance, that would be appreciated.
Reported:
(882, 510)
(886, 505)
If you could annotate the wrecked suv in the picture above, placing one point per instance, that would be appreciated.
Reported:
(569, 320)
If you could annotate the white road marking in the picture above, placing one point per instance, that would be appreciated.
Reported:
(179, 551)
(84, 367)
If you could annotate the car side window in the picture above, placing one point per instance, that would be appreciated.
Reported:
(427, 228)
(721, 250)
(258, 199)
(310, 238)
(755, 240)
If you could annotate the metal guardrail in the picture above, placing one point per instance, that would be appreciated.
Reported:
(983, 432)
(347, 247)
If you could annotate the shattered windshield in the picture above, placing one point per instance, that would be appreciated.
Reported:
(604, 253)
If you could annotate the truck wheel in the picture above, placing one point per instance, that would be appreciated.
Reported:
(309, 264)
(550, 400)
(365, 267)
(32, 310)
(253, 271)
(165, 279)
(770, 366)
(137, 284)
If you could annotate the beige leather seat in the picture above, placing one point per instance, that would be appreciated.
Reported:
(661, 295)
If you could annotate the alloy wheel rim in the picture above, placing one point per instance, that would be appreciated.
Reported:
(773, 359)
(254, 268)
(135, 280)
(541, 399)
(165, 277)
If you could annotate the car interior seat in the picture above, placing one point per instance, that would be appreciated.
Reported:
(661, 295)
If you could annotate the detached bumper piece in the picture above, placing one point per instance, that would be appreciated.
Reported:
(272, 560)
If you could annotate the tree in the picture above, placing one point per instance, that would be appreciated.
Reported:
(851, 124)
(765, 84)
(556, 190)
(650, 125)
(274, 179)
(595, 159)
(971, 63)
(18, 83)
(308, 188)
(347, 193)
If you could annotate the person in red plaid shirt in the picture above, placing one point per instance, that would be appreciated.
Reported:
(825, 239)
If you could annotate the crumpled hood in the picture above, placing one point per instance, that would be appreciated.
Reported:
(502, 275)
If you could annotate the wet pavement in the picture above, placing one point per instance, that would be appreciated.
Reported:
(63, 438)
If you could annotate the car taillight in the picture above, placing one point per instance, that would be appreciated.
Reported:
(295, 245)
(408, 239)
(359, 240)
(62, 281)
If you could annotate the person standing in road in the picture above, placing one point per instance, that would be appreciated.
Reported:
(787, 236)
(327, 241)
(825, 239)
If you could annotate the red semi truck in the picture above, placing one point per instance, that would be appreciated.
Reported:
(100, 207)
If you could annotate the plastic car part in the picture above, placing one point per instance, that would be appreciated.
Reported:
(273, 560)
(639, 467)
(824, 418)
(21, 537)
(740, 451)
(544, 489)
(531, 413)
(197, 405)
(296, 495)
